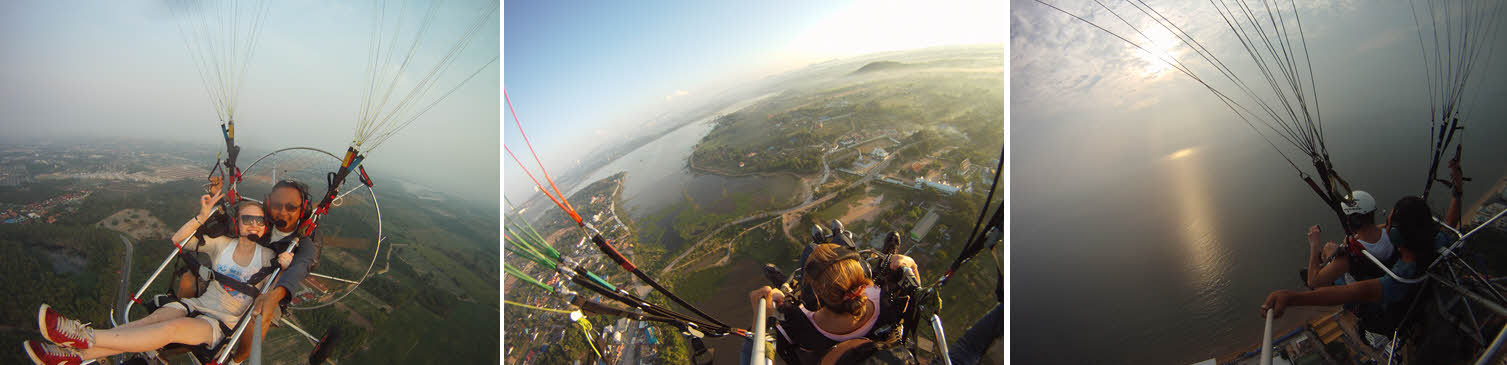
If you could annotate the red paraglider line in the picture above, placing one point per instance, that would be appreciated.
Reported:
(572, 213)
(526, 142)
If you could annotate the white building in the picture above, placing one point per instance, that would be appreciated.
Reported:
(878, 152)
(949, 189)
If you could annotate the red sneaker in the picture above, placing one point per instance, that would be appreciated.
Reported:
(50, 354)
(63, 331)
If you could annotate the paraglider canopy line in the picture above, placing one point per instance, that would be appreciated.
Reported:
(377, 120)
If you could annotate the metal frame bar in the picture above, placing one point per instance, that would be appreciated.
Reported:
(314, 274)
(256, 344)
(348, 192)
(1496, 345)
(1266, 339)
(300, 330)
(126, 313)
(1483, 301)
(125, 282)
(1477, 274)
(246, 316)
(936, 326)
(1461, 240)
(757, 357)
(1469, 313)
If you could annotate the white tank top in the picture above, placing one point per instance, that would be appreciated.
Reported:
(1382, 248)
(220, 301)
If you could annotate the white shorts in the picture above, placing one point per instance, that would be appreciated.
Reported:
(215, 333)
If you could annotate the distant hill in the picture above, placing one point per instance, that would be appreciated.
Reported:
(880, 66)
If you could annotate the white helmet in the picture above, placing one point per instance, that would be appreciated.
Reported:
(1360, 203)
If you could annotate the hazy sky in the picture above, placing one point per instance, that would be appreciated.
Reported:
(581, 74)
(122, 69)
(1366, 59)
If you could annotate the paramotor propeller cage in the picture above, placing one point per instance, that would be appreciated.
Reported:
(313, 163)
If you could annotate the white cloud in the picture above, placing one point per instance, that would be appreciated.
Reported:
(676, 94)
(1056, 57)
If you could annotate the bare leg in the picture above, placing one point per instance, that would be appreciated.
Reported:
(150, 337)
(1329, 248)
(98, 352)
(159, 315)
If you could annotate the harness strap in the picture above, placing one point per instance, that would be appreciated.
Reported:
(192, 313)
(247, 287)
(1353, 245)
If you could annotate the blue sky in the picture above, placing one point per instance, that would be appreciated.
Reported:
(582, 73)
(120, 69)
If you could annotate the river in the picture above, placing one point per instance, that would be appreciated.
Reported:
(658, 178)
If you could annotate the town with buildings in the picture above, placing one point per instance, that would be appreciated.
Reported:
(40, 183)
(619, 340)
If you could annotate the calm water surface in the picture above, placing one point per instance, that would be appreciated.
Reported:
(658, 178)
(1157, 245)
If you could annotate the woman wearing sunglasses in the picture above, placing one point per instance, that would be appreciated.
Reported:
(192, 321)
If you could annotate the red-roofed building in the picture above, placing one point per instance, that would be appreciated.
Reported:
(315, 284)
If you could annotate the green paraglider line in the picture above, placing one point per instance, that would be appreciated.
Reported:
(518, 274)
(526, 223)
(542, 245)
(537, 248)
(529, 254)
(596, 283)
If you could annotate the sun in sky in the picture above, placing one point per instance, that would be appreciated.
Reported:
(1164, 52)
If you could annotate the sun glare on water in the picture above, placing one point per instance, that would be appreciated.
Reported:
(1181, 153)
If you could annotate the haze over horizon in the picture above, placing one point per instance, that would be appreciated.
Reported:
(583, 76)
(122, 71)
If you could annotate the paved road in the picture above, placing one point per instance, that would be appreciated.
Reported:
(612, 205)
(826, 171)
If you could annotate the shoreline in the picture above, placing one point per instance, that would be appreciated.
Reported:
(691, 163)
(1469, 212)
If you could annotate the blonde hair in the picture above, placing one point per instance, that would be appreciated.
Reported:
(839, 286)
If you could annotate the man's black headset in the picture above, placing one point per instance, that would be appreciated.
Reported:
(810, 272)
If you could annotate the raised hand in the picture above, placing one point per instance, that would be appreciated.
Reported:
(207, 203)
